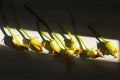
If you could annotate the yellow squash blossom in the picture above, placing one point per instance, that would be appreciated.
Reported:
(37, 46)
(16, 42)
(106, 47)
(55, 47)
(91, 53)
(53, 44)
(69, 54)
(74, 45)
(19, 44)
(111, 49)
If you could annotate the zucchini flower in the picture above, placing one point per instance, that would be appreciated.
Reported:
(110, 48)
(69, 53)
(16, 42)
(90, 52)
(50, 30)
(74, 45)
(53, 44)
(106, 46)
(35, 44)
(19, 44)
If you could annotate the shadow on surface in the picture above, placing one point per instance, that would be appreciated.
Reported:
(45, 66)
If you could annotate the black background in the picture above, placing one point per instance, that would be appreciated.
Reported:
(104, 15)
(101, 14)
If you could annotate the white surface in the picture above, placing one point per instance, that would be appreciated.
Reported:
(89, 41)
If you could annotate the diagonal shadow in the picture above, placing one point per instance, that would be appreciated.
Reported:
(8, 42)
(66, 40)
(25, 40)
(7, 39)
(44, 40)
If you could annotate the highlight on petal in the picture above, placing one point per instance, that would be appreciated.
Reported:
(91, 53)
(111, 49)
(69, 54)
(54, 46)
(52, 42)
(19, 44)
(74, 45)
(36, 45)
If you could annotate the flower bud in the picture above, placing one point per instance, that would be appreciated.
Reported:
(55, 47)
(69, 55)
(18, 44)
(110, 49)
(91, 53)
(74, 45)
(37, 45)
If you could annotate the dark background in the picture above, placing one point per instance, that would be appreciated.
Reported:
(101, 14)
(104, 15)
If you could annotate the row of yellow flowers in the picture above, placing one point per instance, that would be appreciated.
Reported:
(104, 46)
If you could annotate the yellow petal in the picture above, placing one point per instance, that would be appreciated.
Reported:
(69, 52)
(55, 47)
(111, 49)
(69, 55)
(74, 45)
(37, 45)
(91, 53)
(18, 44)
(99, 53)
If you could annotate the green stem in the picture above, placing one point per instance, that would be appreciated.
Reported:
(14, 13)
(16, 20)
(38, 25)
(80, 39)
(3, 14)
(23, 30)
(4, 18)
(9, 30)
(64, 29)
(94, 31)
(97, 35)
(59, 40)
(103, 39)
(73, 25)
(72, 20)
(41, 20)
(44, 23)
(45, 35)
